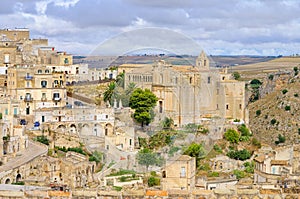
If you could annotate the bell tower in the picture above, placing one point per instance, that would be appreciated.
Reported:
(202, 61)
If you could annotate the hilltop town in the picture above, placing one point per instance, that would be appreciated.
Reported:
(145, 130)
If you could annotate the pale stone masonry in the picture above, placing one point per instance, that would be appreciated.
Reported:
(179, 173)
(189, 94)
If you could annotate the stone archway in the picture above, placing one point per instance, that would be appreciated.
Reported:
(61, 128)
(108, 130)
(18, 178)
(7, 181)
(85, 130)
(73, 129)
(98, 130)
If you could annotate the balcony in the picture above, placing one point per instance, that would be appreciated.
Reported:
(28, 99)
(28, 77)
(56, 99)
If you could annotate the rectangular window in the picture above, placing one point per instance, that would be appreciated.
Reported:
(28, 96)
(55, 95)
(43, 118)
(6, 111)
(183, 172)
(15, 111)
(160, 106)
(66, 60)
(227, 107)
(208, 80)
(6, 58)
(43, 84)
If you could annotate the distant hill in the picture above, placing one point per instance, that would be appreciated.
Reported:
(216, 61)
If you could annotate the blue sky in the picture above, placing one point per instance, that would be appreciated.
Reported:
(230, 27)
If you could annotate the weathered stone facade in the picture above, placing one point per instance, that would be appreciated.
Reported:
(189, 94)
(179, 173)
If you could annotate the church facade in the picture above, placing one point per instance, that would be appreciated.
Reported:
(191, 94)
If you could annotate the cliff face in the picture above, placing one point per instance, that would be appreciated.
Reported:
(277, 110)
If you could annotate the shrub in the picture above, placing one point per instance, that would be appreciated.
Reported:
(96, 156)
(284, 91)
(18, 183)
(117, 188)
(236, 120)
(273, 121)
(123, 179)
(249, 167)
(77, 150)
(255, 81)
(271, 77)
(239, 174)
(296, 70)
(213, 174)
(153, 173)
(243, 154)
(244, 130)
(287, 108)
(153, 181)
(217, 148)
(255, 142)
(281, 139)
(296, 95)
(258, 112)
(232, 136)
(42, 139)
(236, 75)
(204, 167)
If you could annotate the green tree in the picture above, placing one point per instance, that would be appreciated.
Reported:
(146, 157)
(108, 93)
(232, 136)
(239, 154)
(153, 181)
(195, 150)
(271, 77)
(239, 174)
(255, 82)
(284, 91)
(96, 156)
(120, 79)
(281, 139)
(143, 102)
(167, 123)
(258, 112)
(236, 75)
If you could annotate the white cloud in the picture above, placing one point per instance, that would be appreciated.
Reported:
(66, 3)
(221, 27)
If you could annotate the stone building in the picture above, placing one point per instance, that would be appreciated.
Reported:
(101, 74)
(278, 166)
(179, 173)
(85, 121)
(13, 138)
(36, 87)
(73, 170)
(188, 94)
